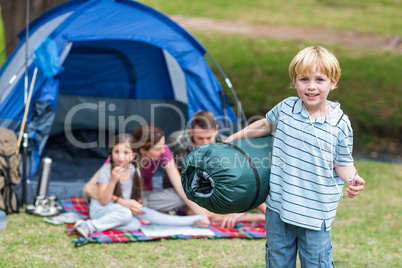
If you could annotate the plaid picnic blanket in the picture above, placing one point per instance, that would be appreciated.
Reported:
(244, 230)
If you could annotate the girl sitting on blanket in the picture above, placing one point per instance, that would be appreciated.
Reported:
(153, 153)
(120, 192)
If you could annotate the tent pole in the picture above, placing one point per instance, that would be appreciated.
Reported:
(225, 114)
(26, 52)
(25, 135)
(24, 130)
(229, 84)
(24, 167)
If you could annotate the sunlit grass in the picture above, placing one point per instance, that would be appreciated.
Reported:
(382, 17)
(3, 56)
(367, 91)
(366, 233)
(371, 224)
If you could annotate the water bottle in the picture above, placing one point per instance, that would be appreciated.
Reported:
(44, 177)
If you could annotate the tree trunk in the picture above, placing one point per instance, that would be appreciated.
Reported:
(13, 13)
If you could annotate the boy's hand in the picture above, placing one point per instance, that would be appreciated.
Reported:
(229, 139)
(353, 191)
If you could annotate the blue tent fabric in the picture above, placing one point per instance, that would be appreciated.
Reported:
(46, 56)
(112, 73)
(100, 51)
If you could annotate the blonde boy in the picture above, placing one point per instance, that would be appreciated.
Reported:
(312, 159)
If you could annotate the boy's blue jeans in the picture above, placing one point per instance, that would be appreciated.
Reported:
(283, 241)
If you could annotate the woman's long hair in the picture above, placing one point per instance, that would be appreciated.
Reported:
(146, 136)
(136, 192)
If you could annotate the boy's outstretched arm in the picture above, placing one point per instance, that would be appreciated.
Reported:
(346, 173)
(257, 129)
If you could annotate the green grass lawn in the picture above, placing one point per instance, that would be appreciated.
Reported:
(374, 16)
(369, 90)
(370, 86)
(2, 43)
(366, 233)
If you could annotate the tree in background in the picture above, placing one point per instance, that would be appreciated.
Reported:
(13, 13)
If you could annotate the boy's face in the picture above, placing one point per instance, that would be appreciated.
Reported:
(313, 90)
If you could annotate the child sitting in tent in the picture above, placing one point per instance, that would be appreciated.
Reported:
(120, 194)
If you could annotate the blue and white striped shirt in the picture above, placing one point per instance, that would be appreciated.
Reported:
(302, 190)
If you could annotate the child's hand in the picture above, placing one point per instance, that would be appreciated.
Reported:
(204, 223)
(230, 220)
(229, 139)
(134, 206)
(117, 172)
(353, 191)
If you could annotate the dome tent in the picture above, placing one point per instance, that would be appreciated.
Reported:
(114, 65)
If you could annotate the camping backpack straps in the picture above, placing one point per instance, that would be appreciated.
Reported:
(9, 170)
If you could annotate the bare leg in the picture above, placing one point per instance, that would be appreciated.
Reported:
(229, 220)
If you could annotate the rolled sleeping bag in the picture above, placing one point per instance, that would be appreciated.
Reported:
(229, 177)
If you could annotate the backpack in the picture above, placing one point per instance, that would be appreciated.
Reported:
(9, 170)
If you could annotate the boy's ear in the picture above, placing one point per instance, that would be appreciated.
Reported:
(333, 84)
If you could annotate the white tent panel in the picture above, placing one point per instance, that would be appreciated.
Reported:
(177, 77)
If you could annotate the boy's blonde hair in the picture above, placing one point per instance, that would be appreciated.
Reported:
(308, 58)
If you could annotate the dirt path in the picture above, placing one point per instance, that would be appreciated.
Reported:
(346, 38)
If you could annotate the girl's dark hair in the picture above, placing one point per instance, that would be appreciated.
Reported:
(136, 192)
(146, 136)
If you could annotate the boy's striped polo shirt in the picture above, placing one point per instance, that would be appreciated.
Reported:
(302, 190)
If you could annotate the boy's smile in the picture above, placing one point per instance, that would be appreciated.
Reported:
(312, 95)
(313, 89)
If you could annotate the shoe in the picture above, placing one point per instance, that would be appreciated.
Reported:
(82, 228)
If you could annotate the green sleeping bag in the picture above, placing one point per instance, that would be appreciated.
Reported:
(229, 177)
